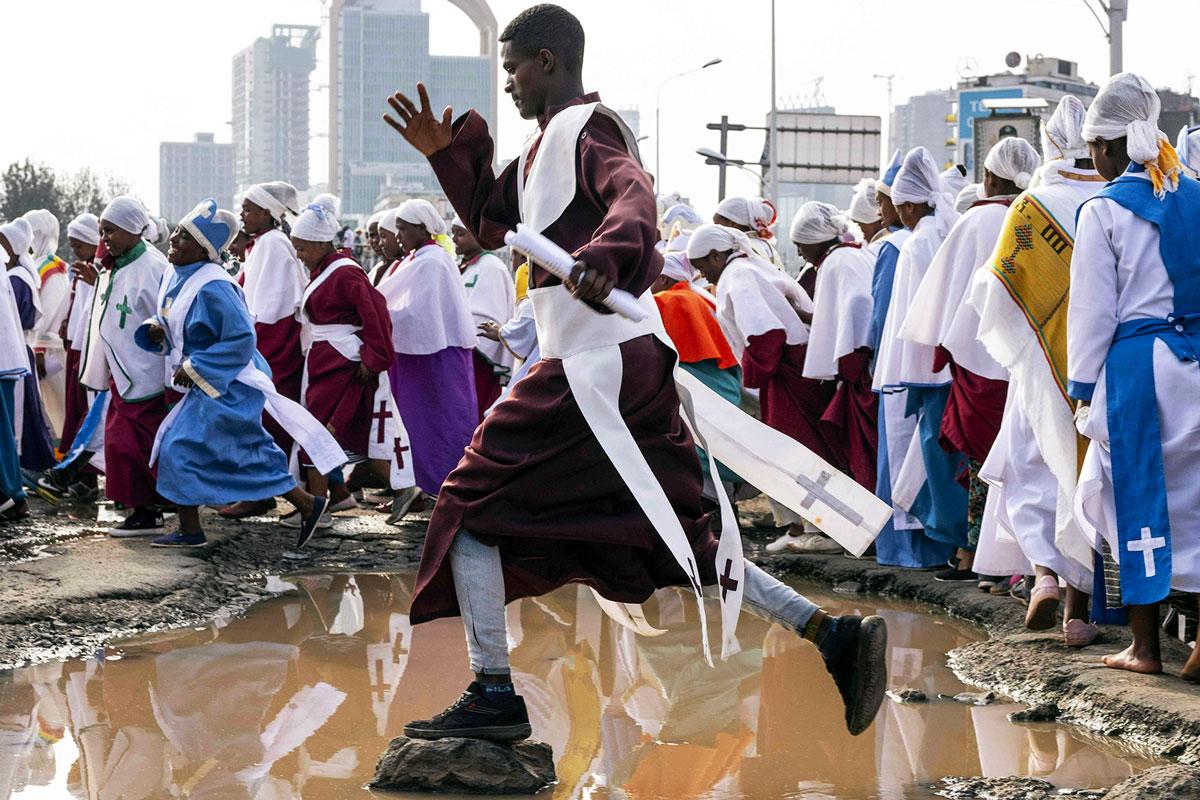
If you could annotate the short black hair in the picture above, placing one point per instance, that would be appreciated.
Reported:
(547, 27)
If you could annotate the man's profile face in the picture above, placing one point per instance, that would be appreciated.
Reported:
(526, 81)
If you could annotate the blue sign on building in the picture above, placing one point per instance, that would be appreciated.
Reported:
(970, 108)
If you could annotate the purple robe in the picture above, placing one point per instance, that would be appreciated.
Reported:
(435, 396)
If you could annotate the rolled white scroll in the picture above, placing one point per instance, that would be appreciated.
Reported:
(558, 262)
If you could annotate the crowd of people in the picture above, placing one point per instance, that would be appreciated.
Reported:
(986, 358)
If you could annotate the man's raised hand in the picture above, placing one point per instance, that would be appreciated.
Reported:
(420, 127)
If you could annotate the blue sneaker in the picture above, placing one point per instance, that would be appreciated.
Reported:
(182, 540)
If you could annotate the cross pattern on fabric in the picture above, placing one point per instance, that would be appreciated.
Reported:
(817, 491)
(401, 449)
(125, 310)
(383, 415)
(728, 584)
(1024, 237)
(379, 686)
(1146, 546)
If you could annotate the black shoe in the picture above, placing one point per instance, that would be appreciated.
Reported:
(142, 522)
(475, 715)
(13, 510)
(855, 653)
(308, 525)
(955, 575)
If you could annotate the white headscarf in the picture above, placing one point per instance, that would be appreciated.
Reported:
(329, 201)
(755, 213)
(45, 229)
(969, 196)
(920, 182)
(85, 228)
(318, 221)
(817, 222)
(161, 232)
(1013, 159)
(864, 206)
(387, 222)
(128, 214)
(711, 237)
(1127, 107)
(376, 218)
(277, 197)
(416, 211)
(677, 267)
(1062, 135)
(1188, 148)
(684, 214)
(19, 234)
(954, 180)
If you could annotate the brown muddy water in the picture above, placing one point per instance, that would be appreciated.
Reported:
(299, 697)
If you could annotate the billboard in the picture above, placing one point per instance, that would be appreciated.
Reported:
(991, 129)
(827, 148)
(970, 108)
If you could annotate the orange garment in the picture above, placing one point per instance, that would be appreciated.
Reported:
(693, 328)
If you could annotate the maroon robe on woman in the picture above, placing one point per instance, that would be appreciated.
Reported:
(534, 480)
(335, 395)
(852, 418)
(279, 344)
(974, 411)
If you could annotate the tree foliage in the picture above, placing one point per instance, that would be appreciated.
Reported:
(25, 185)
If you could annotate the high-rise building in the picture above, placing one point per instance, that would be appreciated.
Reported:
(375, 48)
(633, 118)
(925, 121)
(189, 172)
(270, 107)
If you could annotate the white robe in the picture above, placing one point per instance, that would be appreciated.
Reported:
(841, 320)
(124, 299)
(428, 304)
(942, 316)
(274, 278)
(491, 297)
(901, 362)
(1117, 274)
(753, 298)
(1038, 434)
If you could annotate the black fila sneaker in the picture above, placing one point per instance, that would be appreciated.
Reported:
(477, 715)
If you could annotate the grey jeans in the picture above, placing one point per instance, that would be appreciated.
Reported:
(479, 584)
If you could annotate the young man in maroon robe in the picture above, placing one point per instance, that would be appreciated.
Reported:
(536, 503)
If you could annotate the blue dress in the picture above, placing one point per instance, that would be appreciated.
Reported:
(37, 452)
(217, 452)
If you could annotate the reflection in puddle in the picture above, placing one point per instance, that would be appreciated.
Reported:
(298, 698)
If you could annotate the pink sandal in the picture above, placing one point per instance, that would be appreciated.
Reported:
(1043, 604)
(1078, 633)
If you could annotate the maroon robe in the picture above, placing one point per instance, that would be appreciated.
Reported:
(335, 395)
(973, 411)
(279, 344)
(129, 431)
(788, 401)
(487, 382)
(852, 418)
(535, 481)
(75, 399)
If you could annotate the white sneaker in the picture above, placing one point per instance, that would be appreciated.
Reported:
(783, 543)
(814, 543)
(293, 521)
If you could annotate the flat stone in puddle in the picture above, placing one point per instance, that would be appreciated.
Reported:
(464, 766)
(908, 696)
(972, 698)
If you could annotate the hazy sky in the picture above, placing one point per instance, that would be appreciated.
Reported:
(101, 84)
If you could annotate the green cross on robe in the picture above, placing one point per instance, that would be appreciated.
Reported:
(125, 310)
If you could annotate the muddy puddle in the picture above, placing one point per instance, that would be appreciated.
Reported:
(299, 697)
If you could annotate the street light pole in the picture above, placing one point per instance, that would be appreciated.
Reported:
(1117, 12)
(658, 181)
(773, 162)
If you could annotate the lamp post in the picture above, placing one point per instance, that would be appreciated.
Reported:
(773, 163)
(658, 117)
(713, 157)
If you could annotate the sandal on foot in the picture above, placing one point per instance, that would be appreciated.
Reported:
(1043, 604)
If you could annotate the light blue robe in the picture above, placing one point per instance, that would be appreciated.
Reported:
(217, 451)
